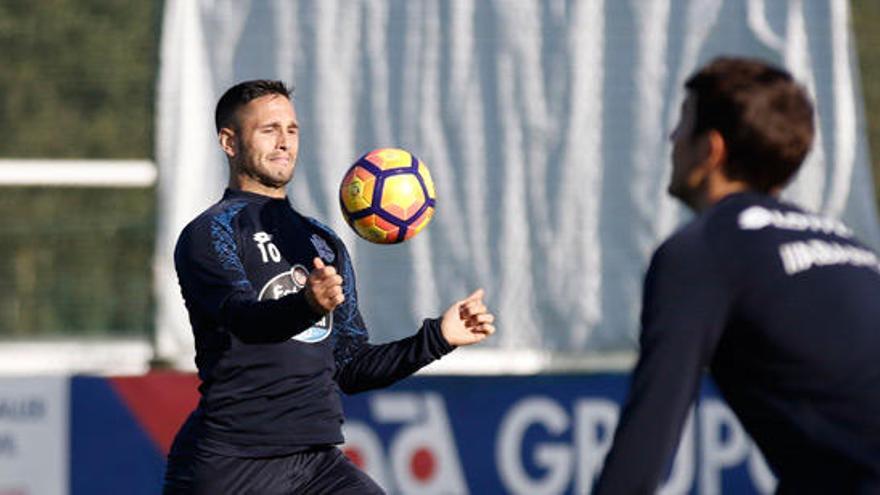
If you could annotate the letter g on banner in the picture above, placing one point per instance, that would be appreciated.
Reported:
(555, 458)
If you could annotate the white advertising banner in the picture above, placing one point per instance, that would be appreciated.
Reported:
(544, 124)
(34, 417)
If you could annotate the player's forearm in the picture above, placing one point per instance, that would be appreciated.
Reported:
(267, 321)
(643, 447)
(664, 384)
(377, 366)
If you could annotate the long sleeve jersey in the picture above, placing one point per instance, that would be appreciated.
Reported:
(783, 308)
(271, 367)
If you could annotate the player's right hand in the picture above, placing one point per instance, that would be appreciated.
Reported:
(324, 288)
(467, 321)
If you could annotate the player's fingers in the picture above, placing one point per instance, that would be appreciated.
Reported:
(486, 329)
(328, 291)
(329, 300)
(324, 298)
(328, 281)
(324, 275)
(472, 308)
(319, 263)
(476, 321)
(325, 272)
(481, 318)
(333, 295)
(475, 295)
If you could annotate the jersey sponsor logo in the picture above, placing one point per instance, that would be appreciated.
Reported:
(323, 248)
(268, 250)
(800, 256)
(758, 217)
(290, 282)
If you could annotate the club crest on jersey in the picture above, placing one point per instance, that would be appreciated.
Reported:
(323, 249)
(291, 282)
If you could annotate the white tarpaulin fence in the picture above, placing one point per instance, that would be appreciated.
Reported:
(544, 124)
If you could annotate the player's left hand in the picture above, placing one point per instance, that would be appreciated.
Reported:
(324, 288)
(467, 321)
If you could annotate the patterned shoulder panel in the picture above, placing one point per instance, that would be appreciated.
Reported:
(223, 241)
(350, 331)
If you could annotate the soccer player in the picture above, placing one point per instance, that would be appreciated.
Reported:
(781, 305)
(272, 302)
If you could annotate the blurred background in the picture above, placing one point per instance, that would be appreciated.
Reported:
(80, 209)
(79, 82)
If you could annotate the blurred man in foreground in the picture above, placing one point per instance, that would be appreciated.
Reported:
(272, 301)
(782, 306)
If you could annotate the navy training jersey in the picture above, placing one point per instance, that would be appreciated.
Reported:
(783, 307)
(271, 368)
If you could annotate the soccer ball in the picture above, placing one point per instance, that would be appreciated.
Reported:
(387, 196)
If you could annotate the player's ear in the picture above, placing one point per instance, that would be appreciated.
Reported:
(717, 149)
(228, 142)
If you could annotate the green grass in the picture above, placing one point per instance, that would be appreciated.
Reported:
(866, 26)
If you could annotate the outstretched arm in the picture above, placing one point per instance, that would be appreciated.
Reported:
(465, 322)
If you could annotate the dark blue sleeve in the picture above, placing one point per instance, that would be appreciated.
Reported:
(377, 366)
(686, 299)
(362, 366)
(215, 285)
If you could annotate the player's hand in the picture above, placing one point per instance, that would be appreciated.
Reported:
(324, 288)
(467, 321)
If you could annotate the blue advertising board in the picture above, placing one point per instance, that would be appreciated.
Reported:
(531, 435)
(545, 434)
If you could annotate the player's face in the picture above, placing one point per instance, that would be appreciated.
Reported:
(265, 145)
(689, 154)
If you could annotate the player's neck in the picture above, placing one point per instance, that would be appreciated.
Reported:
(719, 188)
(248, 184)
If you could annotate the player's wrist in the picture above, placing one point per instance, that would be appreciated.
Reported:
(439, 343)
(313, 303)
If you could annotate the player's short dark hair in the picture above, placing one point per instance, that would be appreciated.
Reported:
(241, 94)
(764, 116)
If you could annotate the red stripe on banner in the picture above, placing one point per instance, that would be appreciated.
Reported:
(160, 402)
